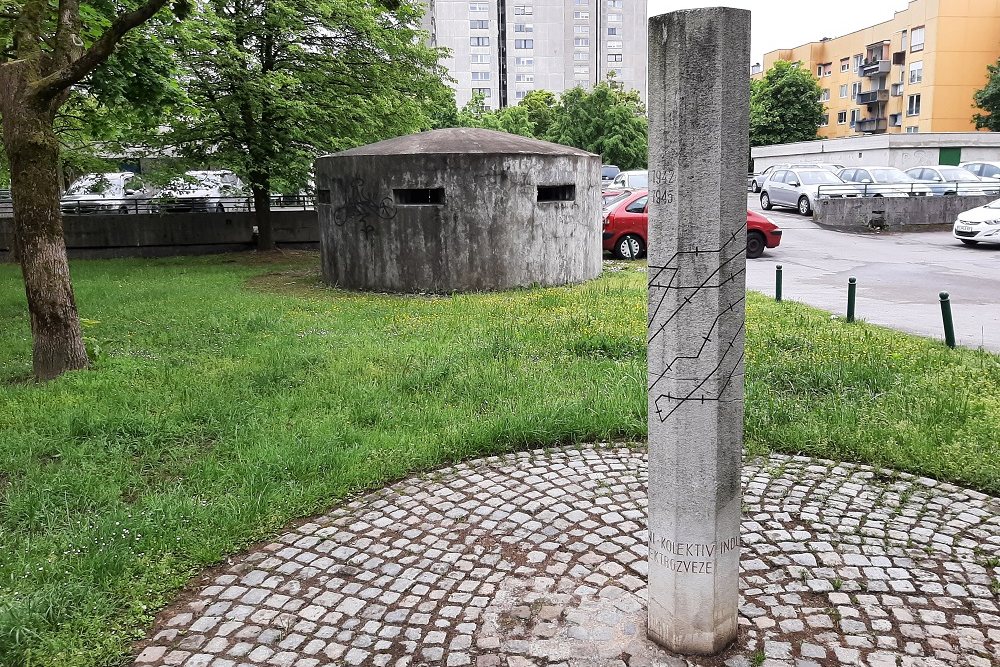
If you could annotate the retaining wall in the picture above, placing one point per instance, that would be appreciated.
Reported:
(101, 236)
(901, 213)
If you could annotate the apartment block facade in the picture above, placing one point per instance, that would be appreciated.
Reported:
(505, 48)
(914, 73)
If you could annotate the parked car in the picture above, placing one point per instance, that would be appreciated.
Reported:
(608, 173)
(113, 192)
(948, 180)
(206, 191)
(629, 180)
(885, 182)
(609, 197)
(626, 229)
(757, 182)
(984, 170)
(799, 188)
(978, 225)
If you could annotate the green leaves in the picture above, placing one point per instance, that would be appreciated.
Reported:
(607, 120)
(784, 105)
(988, 99)
(270, 85)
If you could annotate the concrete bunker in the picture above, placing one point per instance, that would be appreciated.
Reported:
(459, 210)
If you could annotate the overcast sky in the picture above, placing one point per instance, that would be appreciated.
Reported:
(782, 24)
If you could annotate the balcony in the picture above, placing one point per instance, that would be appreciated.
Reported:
(871, 125)
(875, 67)
(897, 90)
(899, 58)
(873, 96)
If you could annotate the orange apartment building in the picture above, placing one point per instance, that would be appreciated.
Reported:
(914, 73)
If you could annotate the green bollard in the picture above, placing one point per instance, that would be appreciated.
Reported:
(852, 292)
(777, 283)
(949, 325)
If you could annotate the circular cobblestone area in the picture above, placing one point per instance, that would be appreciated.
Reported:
(539, 558)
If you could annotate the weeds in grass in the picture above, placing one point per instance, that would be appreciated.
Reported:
(228, 398)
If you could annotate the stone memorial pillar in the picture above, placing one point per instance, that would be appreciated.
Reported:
(698, 148)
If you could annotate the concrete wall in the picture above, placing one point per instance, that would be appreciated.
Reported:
(903, 151)
(853, 214)
(100, 236)
(490, 233)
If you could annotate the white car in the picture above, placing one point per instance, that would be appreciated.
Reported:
(630, 180)
(113, 192)
(206, 191)
(979, 225)
(988, 171)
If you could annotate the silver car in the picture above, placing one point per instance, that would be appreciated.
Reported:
(885, 182)
(757, 182)
(800, 188)
(983, 169)
(948, 180)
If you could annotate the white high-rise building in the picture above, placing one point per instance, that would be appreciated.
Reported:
(505, 48)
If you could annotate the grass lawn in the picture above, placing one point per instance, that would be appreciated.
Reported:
(231, 395)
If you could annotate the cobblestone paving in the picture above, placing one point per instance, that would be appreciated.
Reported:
(540, 559)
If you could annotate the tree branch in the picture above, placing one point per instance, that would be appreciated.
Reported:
(51, 85)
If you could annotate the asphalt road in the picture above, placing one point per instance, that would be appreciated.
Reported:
(899, 277)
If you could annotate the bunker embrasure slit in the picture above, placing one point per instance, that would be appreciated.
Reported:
(418, 196)
(565, 192)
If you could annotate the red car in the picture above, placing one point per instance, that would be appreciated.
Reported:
(625, 229)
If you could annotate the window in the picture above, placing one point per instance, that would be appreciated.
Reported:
(841, 118)
(616, 72)
(825, 120)
(843, 91)
(485, 92)
(581, 55)
(913, 105)
(479, 41)
(524, 78)
(858, 60)
(614, 18)
(855, 114)
(519, 94)
(827, 69)
(638, 206)
(614, 32)
(614, 44)
(479, 25)
(617, 4)
(917, 71)
(524, 43)
(523, 10)
(825, 95)
(581, 41)
(855, 89)
(478, 7)
(917, 41)
(524, 62)
(902, 41)
(418, 196)
(480, 58)
(845, 64)
(581, 69)
(524, 27)
(480, 76)
(819, 70)
(581, 29)
(614, 57)
(912, 129)
(581, 16)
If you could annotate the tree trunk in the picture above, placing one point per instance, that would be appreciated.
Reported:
(262, 206)
(33, 152)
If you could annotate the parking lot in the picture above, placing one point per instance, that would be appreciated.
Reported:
(899, 276)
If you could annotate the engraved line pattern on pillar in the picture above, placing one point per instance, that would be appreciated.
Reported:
(687, 372)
